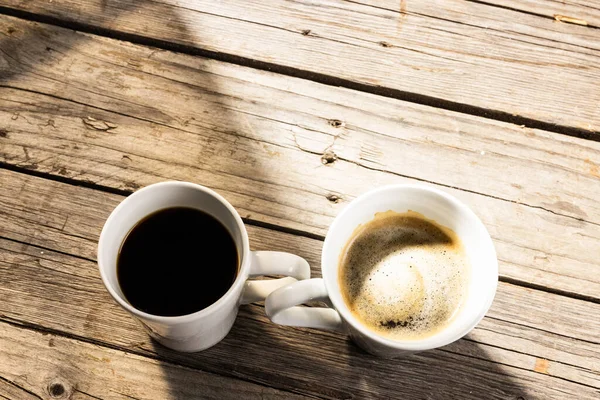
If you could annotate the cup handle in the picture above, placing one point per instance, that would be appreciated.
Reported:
(273, 263)
(282, 308)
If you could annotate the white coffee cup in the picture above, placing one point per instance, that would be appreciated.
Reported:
(205, 328)
(282, 305)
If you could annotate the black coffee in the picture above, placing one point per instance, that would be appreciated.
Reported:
(176, 261)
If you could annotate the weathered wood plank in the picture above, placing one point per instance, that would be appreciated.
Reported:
(124, 331)
(10, 391)
(51, 366)
(463, 53)
(534, 344)
(261, 139)
(586, 12)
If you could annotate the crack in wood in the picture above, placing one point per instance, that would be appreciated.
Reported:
(503, 7)
(98, 125)
(88, 394)
(128, 396)
(19, 386)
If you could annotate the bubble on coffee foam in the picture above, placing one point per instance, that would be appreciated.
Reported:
(403, 277)
(395, 284)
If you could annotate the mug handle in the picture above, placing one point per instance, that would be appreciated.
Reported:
(272, 263)
(282, 308)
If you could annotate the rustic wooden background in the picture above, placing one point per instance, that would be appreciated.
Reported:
(291, 109)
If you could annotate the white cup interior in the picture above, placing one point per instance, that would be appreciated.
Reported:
(445, 210)
(154, 198)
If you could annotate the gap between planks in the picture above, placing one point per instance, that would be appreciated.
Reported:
(293, 131)
(229, 386)
(529, 12)
(256, 314)
(568, 347)
(325, 79)
(260, 224)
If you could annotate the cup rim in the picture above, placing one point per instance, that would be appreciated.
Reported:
(438, 339)
(173, 320)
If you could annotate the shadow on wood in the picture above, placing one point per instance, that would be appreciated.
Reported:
(57, 48)
(21, 34)
(330, 366)
(543, 342)
(435, 374)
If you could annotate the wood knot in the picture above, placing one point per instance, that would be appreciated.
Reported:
(385, 44)
(336, 123)
(334, 198)
(3, 133)
(328, 158)
(305, 32)
(11, 30)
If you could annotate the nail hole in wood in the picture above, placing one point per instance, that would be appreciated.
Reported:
(336, 123)
(328, 158)
(334, 198)
(56, 390)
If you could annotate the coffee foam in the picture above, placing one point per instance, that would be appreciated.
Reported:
(404, 276)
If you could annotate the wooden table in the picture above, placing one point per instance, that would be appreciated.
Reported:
(291, 109)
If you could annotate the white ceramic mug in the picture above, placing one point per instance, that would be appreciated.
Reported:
(205, 328)
(282, 305)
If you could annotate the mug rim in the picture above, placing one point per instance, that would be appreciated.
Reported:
(179, 319)
(438, 339)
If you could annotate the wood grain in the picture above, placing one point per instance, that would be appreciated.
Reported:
(41, 365)
(462, 55)
(64, 294)
(588, 10)
(10, 391)
(278, 147)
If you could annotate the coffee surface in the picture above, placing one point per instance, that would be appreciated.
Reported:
(176, 261)
(404, 276)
